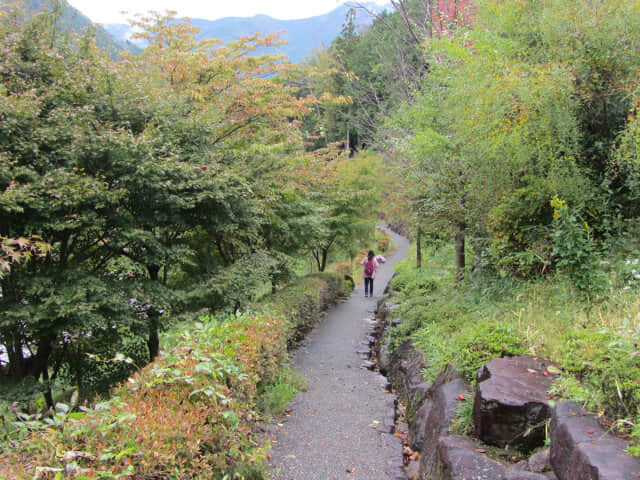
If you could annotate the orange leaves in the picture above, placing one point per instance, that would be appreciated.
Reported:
(157, 424)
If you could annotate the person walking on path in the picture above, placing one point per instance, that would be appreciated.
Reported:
(336, 428)
(369, 272)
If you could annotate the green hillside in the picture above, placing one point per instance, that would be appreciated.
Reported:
(74, 19)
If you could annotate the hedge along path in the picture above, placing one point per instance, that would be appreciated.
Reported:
(335, 430)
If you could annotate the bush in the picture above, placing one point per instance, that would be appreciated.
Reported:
(303, 302)
(188, 412)
(574, 249)
(194, 410)
(519, 228)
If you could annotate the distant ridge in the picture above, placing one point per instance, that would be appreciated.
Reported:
(75, 20)
(302, 35)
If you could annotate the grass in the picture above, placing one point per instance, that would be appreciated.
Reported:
(593, 340)
(273, 400)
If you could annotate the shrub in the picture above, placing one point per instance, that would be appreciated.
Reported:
(574, 249)
(466, 346)
(192, 413)
(519, 227)
(188, 412)
(383, 244)
(303, 302)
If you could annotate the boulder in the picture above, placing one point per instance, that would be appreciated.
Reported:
(461, 460)
(511, 405)
(582, 450)
(383, 356)
(418, 425)
(444, 403)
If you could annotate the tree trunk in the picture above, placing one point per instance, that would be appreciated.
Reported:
(153, 341)
(347, 146)
(17, 363)
(419, 247)
(460, 260)
(323, 263)
(48, 396)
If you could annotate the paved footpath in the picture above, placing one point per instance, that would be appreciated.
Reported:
(336, 429)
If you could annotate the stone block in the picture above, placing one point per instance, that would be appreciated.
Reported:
(461, 460)
(511, 405)
(582, 450)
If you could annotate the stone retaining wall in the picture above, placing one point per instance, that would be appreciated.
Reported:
(511, 408)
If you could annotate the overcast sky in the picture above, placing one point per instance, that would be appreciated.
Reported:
(109, 11)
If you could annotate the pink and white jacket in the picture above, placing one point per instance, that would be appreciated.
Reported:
(375, 266)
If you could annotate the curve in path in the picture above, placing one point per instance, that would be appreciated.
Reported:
(336, 429)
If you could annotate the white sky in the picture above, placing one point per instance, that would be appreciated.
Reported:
(109, 11)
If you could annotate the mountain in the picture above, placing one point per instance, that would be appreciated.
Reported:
(73, 19)
(303, 35)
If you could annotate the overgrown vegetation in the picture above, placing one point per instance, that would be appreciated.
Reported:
(194, 178)
(593, 341)
(149, 190)
(193, 413)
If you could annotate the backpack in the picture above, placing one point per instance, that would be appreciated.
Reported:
(369, 268)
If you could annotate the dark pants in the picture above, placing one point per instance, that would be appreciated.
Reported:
(368, 286)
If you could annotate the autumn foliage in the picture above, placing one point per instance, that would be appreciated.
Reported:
(448, 15)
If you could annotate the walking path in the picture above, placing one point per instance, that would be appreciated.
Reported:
(335, 429)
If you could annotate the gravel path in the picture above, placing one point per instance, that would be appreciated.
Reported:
(340, 427)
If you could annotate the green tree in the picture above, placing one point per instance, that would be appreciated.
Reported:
(135, 172)
(523, 106)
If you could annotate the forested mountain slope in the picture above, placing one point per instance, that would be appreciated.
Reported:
(71, 18)
(302, 36)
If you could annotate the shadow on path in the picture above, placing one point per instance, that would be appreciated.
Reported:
(336, 429)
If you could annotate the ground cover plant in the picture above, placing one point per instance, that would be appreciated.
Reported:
(593, 340)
